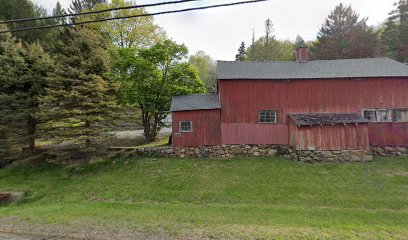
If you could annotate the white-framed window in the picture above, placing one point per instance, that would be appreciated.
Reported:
(401, 115)
(268, 116)
(186, 126)
(378, 115)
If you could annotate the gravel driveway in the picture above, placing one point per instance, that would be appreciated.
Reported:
(136, 133)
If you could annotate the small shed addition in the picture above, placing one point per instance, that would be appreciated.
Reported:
(196, 120)
(329, 131)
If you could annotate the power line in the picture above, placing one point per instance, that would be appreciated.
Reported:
(132, 16)
(95, 12)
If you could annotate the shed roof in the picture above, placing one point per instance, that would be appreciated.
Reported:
(342, 68)
(195, 102)
(311, 119)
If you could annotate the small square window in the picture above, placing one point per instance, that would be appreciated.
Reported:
(186, 126)
(401, 115)
(267, 116)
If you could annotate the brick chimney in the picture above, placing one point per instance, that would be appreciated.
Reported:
(302, 54)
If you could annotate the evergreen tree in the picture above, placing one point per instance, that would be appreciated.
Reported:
(78, 6)
(16, 9)
(23, 76)
(395, 36)
(343, 35)
(58, 11)
(300, 42)
(241, 56)
(79, 100)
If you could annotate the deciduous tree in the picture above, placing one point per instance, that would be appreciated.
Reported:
(130, 32)
(150, 78)
(207, 69)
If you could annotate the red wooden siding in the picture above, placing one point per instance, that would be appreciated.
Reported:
(242, 99)
(250, 133)
(328, 137)
(206, 128)
(388, 134)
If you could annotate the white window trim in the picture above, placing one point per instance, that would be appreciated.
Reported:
(379, 109)
(181, 130)
(270, 110)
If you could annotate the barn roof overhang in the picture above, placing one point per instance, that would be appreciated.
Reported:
(320, 119)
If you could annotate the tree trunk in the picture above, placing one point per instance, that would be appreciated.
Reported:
(31, 129)
(88, 141)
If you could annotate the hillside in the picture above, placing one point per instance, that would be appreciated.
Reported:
(200, 199)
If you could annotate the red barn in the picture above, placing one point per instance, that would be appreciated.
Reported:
(325, 104)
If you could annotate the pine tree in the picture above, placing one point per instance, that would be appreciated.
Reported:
(269, 39)
(343, 35)
(241, 56)
(58, 11)
(79, 100)
(300, 42)
(395, 36)
(23, 76)
(77, 6)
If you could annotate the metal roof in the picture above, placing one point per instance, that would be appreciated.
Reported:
(320, 69)
(195, 102)
(310, 119)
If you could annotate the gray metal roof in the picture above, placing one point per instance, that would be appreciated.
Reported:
(310, 119)
(343, 68)
(195, 102)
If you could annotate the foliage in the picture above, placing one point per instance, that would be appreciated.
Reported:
(395, 35)
(23, 75)
(207, 70)
(236, 198)
(150, 77)
(78, 6)
(241, 53)
(130, 32)
(344, 36)
(79, 99)
(277, 50)
(16, 9)
(300, 42)
(58, 11)
(268, 48)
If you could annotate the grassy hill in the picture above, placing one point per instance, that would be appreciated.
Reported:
(233, 198)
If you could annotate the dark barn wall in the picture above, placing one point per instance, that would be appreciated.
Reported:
(330, 137)
(206, 128)
(242, 99)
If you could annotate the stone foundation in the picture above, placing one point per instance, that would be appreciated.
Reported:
(390, 151)
(329, 156)
(223, 151)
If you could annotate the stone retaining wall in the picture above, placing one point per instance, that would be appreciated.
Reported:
(390, 151)
(222, 151)
(329, 156)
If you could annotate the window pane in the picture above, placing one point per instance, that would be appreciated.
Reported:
(267, 116)
(401, 115)
(185, 126)
(384, 115)
(370, 115)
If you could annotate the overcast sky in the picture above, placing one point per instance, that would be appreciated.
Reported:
(219, 32)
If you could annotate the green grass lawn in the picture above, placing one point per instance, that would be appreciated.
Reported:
(259, 198)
